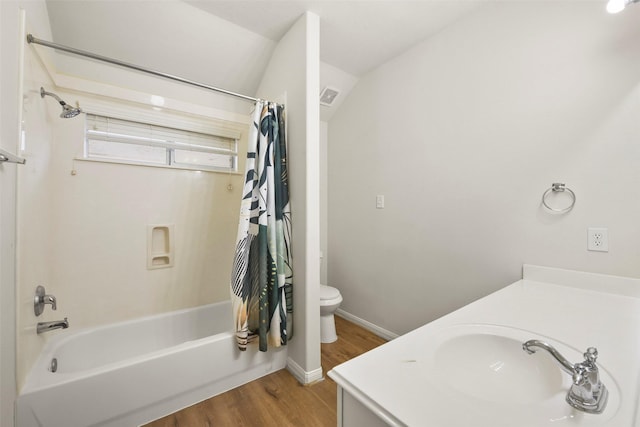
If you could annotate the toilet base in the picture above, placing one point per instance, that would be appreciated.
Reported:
(328, 329)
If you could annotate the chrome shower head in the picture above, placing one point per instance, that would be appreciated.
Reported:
(67, 110)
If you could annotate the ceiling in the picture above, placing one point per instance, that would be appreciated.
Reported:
(356, 36)
(226, 43)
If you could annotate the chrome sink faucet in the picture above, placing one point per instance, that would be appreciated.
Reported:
(587, 393)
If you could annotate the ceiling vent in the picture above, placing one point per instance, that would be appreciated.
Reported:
(328, 95)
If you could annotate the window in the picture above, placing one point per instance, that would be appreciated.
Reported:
(125, 141)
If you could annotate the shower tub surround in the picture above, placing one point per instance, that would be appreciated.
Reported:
(469, 368)
(133, 372)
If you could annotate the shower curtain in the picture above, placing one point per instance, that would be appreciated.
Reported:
(261, 282)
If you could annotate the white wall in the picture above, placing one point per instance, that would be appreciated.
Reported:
(293, 77)
(324, 207)
(462, 134)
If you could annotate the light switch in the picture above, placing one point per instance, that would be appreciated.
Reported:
(380, 202)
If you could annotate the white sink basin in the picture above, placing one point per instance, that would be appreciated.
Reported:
(485, 369)
(496, 369)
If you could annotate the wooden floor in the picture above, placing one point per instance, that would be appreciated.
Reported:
(278, 399)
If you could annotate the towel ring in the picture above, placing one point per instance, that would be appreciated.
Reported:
(558, 187)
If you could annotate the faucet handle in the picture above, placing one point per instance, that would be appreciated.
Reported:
(579, 375)
(41, 299)
(50, 299)
(591, 354)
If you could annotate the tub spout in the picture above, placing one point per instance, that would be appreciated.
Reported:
(50, 326)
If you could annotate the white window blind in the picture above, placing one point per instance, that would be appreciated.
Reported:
(131, 142)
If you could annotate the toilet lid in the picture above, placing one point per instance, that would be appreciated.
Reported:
(327, 292)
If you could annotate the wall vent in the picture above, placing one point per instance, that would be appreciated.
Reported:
(328, 95)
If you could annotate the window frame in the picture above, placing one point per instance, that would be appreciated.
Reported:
(167, 120)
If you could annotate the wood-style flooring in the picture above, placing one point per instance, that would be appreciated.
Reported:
(278, 399)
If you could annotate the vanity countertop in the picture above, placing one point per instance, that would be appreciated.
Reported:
(399, 384)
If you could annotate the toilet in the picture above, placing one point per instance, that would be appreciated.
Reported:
(330, 300)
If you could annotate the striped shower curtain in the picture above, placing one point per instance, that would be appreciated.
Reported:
(261, 282)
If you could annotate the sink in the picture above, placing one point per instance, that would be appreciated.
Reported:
(485, 370)
(495, 368)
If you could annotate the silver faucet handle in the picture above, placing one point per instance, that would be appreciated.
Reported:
(40, 299)
(591, 354)
(50, 299)
(579, 375)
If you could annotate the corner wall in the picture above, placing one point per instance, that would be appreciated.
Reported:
(293, 75)
(462, 134)
(12, 16)
(324, 137)
(9, 33)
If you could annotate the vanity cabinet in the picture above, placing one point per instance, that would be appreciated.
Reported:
(352, 413)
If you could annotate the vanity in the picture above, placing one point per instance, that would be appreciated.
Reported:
(469, 368)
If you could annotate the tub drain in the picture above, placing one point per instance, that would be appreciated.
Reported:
(54, 365)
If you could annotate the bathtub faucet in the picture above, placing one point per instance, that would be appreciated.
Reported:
(50, 326)
(587, 393)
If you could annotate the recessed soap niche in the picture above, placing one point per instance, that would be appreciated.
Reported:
(159, 246)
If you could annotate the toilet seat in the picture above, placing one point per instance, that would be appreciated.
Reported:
(328, 293)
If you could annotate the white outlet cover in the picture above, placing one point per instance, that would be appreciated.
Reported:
(598, 239)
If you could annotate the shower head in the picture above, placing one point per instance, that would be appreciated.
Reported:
(67, 110)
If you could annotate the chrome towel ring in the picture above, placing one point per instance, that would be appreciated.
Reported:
(558, 187)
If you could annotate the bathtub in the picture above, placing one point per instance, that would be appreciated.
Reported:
(133, 372)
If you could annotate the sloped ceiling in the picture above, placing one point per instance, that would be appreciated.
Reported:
(227, 43)
(168, 36)
(356, 36)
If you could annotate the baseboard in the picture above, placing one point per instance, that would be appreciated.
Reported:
(381, 332)
(301, 375)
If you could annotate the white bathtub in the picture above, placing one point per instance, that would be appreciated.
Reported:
(130, 373)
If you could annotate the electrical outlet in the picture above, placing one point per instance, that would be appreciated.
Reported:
(598, 239)
(380, 202)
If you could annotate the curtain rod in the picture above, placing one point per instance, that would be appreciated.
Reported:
(31, 39)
